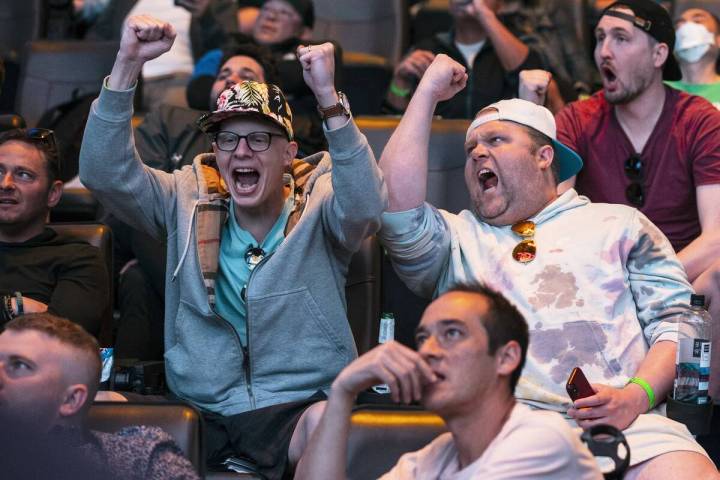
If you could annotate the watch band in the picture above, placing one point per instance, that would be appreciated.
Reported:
(336, 110)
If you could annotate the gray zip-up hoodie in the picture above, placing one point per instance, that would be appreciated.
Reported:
(298, 335)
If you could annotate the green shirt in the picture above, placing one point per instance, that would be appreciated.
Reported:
(709, 91)
(234, 272)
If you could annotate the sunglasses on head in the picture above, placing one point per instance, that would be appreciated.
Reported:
(635, 192)
(525, 251)
(46, 137)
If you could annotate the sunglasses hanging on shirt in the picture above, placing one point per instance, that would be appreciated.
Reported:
(524, 252)
(253, 256)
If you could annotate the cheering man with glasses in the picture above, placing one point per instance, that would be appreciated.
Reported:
(650, 146)
(39, 269)
(599, 283)
(258, 246)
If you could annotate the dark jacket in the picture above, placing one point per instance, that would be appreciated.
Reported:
(488, 81)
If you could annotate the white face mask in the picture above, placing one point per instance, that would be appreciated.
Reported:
(692, 41)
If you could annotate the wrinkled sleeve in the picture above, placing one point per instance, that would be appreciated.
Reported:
(359, 195)
(418, 242)
(658, 281)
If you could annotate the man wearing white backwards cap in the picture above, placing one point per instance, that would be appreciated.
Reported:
(599, 284)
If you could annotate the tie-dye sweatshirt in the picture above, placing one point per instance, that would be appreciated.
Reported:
(604, 286)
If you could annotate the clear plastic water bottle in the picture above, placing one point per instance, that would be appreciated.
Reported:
(692, 364)
(386, 333)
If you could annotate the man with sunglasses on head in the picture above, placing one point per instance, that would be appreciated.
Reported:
(599, 283)
(39, 269)
(648, 145)
(258, 246)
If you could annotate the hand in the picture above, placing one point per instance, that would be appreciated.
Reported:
(412, 68)
(443, 78)
(195, 7)
(618, 407)
(391, 363)
(534, 85)
(145, 38)
(477, 9)
(318, 63)
(29, 305)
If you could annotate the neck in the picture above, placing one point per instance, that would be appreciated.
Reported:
(476, 428)
(21, 233)
(260, 220)
(469, 31)
(643, 111)
(699, 72)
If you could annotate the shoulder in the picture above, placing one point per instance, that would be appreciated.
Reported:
(692, 109)
(541, 431)
(587, 109)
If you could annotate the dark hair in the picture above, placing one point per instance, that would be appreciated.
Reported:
(67, 333)
(539, 140)
(43, 140)
(503, 323)
(259, 53)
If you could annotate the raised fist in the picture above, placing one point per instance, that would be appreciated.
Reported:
(318, 64)
(145, 38)
(443, 78)
(534, 85)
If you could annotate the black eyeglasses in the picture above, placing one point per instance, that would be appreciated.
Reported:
(256, 141)
(635, 192)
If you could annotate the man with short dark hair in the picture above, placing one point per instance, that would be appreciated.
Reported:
(650, 146)
(258, 247)
(478, 40)
(471, 347)
(49, 375)
(599, 283)
(40, 270)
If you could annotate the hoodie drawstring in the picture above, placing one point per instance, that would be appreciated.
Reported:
(187, 242)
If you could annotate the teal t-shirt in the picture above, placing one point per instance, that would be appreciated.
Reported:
(709, 91)
(234, 272)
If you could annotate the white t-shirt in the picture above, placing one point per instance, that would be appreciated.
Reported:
(179, 59)
(531, 445)
(470, 50)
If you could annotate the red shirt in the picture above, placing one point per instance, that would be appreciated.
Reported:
(682, 153)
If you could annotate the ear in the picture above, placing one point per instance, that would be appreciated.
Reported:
(660, 54)
(545, 156)
(507, 358)
(290, 153)
(54, 193)
(74, 398)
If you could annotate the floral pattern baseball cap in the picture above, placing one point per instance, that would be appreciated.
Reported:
(251, 99)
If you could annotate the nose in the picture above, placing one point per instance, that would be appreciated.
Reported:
(430, 348)
(479, 152)
(243, 148)
(603, 49)
(6, 182)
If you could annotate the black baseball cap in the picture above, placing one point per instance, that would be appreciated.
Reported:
(650, 17)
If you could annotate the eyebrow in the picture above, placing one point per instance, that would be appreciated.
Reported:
(616, 29)
(443, 323)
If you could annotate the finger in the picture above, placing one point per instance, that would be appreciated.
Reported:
(586, 424)
(590, 413)
(406, 374)
(591, 401)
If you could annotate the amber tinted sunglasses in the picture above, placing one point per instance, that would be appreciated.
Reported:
(524, 252)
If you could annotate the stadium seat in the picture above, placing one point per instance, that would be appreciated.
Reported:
(446, 178)
(362, 295)
(55, 72)
(366, 78)
(380, 435)
(97, 235)
(77, 204)
(181, 421)
(378, 27)
(20, 22)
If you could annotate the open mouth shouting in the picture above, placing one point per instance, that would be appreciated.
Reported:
(610, 81)
(488, 179)
(245, 180)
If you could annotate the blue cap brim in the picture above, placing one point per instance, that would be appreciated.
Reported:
(570, 162)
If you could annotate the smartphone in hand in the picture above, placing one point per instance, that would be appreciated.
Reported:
(578, 386)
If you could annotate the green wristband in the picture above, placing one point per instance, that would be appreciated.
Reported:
(648, 390)
(399, 91)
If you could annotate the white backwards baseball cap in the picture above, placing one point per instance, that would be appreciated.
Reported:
(538, 118)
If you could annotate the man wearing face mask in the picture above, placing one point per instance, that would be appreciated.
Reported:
(697, 49)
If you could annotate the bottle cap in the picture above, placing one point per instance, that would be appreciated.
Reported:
(697, 300)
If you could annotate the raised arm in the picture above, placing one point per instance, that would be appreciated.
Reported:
(405, 157)
(109, 165)
(402, 369)
(359, 196)
(510, 50)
